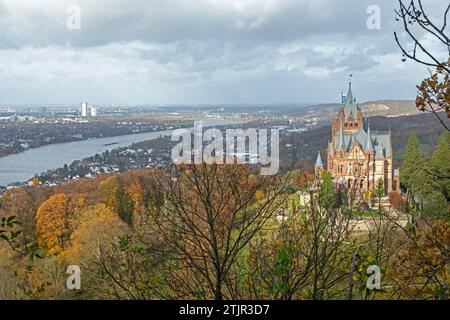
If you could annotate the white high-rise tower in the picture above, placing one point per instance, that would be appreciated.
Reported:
(84, 109)
(94, 112)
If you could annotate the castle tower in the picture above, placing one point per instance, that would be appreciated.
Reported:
(356, 157)
(349, 115)
(319, 165)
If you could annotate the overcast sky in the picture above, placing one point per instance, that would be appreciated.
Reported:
(201, 51)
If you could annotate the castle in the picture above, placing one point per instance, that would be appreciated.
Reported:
(358, 158)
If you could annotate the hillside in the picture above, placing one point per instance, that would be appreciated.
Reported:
(426, 126)
(390, 108)
(386, 108)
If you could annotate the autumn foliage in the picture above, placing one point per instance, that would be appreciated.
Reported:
(53, 224)
(434, 93)
(211, 232)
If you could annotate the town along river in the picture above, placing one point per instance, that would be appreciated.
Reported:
(23, 166)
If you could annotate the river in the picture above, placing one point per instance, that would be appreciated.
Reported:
(25, 165)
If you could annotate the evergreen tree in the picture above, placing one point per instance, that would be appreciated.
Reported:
(327, 196)
(440, 165)
(379, 193)
(436, 183)
(436, 206)
(411, 161)
(431, 181)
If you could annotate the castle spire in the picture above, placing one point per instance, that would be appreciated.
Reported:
(350, 106)
(369, 141)
(349, 97)
(319, 162)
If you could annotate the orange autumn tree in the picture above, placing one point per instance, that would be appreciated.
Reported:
(136, 193)
(53, 224)
(116, 198)
(434, 94)
(98, 227)
(92, 241)
(421, 267)
(209, 215)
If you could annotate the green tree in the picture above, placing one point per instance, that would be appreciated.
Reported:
(411, 161)
(434, 178)
(436, 206)
(431, 182)
(117, 199)
(440, 165)
(327, 195)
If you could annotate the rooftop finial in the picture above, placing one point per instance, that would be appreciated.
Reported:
(350, 80)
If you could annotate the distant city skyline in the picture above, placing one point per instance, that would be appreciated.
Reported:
(137, 52)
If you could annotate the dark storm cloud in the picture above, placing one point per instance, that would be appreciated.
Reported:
(137, 51)
(174, 20)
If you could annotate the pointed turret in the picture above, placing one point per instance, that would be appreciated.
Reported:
(319, 166)
(349, 97)
(350, 103)
(369, 142)
(319, 162)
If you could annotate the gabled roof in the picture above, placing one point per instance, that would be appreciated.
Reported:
(355, 143)
(380, 142)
